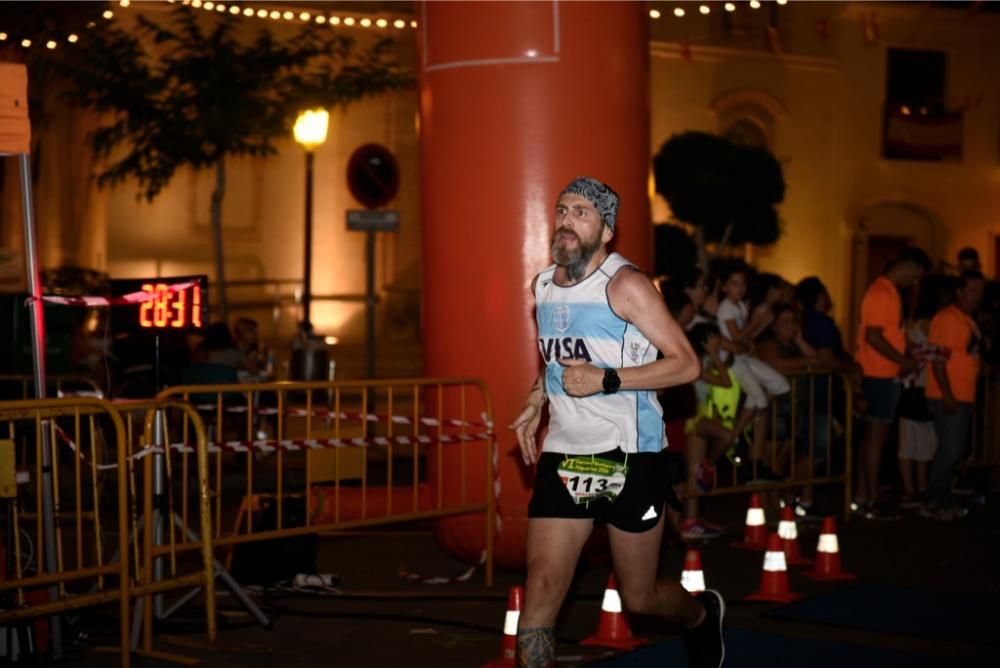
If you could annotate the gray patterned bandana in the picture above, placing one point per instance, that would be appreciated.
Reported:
(602, 196)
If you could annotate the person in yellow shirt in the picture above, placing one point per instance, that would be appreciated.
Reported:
(881, 352)
(951, 390)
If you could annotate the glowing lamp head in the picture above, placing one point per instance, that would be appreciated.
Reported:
(310, 128)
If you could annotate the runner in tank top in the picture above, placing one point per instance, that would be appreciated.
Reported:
(601, 324)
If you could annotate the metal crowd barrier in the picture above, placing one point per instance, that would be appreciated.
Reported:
(59, 549)
(100, 546)
(803, 411)
(333, 456)
(171, 484)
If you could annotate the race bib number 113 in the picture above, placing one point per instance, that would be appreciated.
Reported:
(590, 478)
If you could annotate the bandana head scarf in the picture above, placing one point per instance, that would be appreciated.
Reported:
(602, 196)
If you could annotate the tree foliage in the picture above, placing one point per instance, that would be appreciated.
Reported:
(187, 94)
(674, 250)
(727, 191)
(195, 91)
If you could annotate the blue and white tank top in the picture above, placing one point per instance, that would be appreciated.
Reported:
(578, 322)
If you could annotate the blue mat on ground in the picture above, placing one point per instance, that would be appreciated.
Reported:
(889, 609)
(753, 649)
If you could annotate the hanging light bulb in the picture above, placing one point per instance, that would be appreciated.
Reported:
(678, 12)
(704, 9)
(72, 39)
(654, 13)
(399, 23)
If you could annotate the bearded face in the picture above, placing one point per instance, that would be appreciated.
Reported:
(569, 250)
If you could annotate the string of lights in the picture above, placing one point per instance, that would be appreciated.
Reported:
(335, 20)
(705, 8)
(347, 19)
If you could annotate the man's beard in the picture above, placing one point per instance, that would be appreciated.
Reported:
(574, 260)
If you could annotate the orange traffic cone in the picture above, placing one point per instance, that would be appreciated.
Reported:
(755, 533)
(789, 535)
(774, 579)
(613, 630)
(828, 555)
(508, 646)
(692, 577)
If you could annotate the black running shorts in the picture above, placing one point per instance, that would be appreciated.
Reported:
(636, 509)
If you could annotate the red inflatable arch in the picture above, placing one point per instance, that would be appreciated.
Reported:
(517, 99)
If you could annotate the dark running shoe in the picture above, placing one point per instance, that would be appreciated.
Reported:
(705, 645)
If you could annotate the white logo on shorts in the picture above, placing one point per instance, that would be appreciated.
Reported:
(650, 514)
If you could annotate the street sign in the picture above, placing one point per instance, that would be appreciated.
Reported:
(373, 175)
(373, 221)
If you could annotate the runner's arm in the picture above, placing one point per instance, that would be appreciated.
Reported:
(633, 297)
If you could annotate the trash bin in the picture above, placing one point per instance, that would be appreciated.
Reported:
(310, 359)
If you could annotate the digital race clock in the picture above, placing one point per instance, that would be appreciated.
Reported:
(177, 303)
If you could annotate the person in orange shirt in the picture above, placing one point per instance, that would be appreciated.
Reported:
(881, 352)
(951, 390)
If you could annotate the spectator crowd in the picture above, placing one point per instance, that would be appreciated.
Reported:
(771, 405)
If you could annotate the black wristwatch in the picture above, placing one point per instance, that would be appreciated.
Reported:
(611, 381)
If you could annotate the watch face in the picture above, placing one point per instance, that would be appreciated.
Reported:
(611, 381)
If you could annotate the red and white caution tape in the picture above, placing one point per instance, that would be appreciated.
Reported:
(441, 580)
(295, 444)
(124, 300)
(143, 452)
(357, 417)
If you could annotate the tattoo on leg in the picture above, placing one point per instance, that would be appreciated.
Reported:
(536, 647)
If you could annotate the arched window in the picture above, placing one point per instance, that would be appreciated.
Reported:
(748, 117)
(746, 132)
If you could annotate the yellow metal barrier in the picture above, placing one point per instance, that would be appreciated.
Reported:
(143, 446)
(83, 508)
(809, 409)
(337, 448)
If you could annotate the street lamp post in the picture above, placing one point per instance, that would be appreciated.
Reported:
(310, 131)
